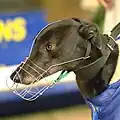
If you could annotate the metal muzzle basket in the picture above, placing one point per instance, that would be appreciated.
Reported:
(38, 86)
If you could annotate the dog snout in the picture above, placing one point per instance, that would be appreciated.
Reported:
(15, 77)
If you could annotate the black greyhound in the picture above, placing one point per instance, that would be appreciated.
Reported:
(78, 46)
(67, 40)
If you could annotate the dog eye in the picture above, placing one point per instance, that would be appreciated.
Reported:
(48, 47)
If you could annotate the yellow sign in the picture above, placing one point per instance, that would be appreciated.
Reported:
(13, 30)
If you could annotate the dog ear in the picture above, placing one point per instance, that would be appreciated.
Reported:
(89, 31)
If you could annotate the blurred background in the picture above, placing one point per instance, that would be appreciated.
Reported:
(20, 21)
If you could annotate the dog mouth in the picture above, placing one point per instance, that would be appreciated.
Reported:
(46, 79)
(34, 90)
(27, 76)
(30, 88)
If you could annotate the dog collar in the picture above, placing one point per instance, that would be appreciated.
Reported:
(89, 71)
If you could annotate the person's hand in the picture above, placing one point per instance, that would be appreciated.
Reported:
(108, 4)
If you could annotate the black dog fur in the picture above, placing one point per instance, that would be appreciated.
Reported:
(67, 40)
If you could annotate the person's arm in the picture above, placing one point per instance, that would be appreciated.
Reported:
(106, 3)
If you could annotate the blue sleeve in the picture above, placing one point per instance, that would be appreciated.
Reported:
(106, 106)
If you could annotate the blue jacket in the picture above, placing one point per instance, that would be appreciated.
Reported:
(106, 106)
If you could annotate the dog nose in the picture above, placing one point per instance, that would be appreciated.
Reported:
(15, 77)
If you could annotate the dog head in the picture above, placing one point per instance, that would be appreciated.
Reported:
(58, 47)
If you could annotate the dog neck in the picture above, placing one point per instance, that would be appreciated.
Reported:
(105, 76)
